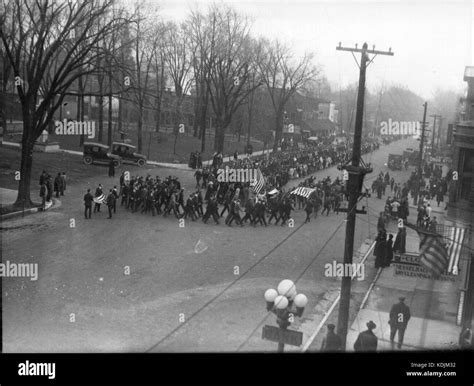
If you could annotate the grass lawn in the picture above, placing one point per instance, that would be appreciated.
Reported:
(158, 146)
(53, 163)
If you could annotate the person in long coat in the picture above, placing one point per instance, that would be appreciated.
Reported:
(400, 241)
(367, 341)
(388, 251)
(111, 168)
(380, 249)
(331, 342)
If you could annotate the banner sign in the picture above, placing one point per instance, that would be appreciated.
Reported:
(407, 264)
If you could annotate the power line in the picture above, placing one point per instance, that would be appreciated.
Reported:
(224, 290)
(297, 279)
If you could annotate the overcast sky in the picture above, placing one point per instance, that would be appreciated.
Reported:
(432, 40)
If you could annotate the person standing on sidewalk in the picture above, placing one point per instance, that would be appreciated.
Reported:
(111, 168)
(332, 341)
(399, 317)
(367, 341)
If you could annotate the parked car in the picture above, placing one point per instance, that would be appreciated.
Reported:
(99, 154)
(127, 153)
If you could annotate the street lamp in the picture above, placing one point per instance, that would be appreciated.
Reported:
(285, 303)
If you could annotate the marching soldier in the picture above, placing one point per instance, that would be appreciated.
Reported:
(211, 210)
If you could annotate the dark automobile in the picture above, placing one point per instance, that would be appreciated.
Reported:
(395, 161)
(127, 153)
(99, 154)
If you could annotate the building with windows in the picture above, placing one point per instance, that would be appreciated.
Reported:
(462, 193)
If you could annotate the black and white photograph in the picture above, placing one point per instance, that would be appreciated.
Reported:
(238, 177)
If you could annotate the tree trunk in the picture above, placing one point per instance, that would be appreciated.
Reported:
(101, 114)
(120, 113)
(278, 131)
(3, 108)
(219, 137)
(23, 199)
(109, 128)
(178, 122)
(80, 107)
(203, 124)
(139, 130)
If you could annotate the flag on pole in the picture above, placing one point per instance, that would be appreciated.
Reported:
(433, 253)
(102, 199)
(303, 191)
(258, 182)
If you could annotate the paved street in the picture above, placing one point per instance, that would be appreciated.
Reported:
(85, 300)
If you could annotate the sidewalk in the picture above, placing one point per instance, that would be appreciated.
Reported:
(433, 306)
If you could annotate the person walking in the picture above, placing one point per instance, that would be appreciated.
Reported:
(308, 209)
(331, 342)
(399, 317)
(380, 249)
(43, 195)
(367, 341)
(58, 185)
(88, 199)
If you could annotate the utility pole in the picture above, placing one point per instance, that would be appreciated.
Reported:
(356, 176)
(438, 144)
(420, 155)
(422, 140)
(435, 116)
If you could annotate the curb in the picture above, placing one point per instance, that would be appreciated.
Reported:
(21, 213)
(328, 313)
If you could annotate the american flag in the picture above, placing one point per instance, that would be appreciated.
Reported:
(259, 182)
(102, 199)
(433, 252)
(303, 191)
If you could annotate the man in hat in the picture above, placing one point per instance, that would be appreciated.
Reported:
(332, 341)
(399, 317)
(367, 341)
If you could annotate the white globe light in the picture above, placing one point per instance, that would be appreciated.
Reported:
(281, 302)
(270, 295)
(301, 300)
(287, 288)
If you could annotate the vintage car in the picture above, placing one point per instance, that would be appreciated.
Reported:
(127, 153)
(395, 161)
(99, 154)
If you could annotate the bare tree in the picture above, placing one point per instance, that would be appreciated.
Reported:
(230, 62)
(140, 74)
(46, 60)
(178, 58)
(199, 33)
(283, 75)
